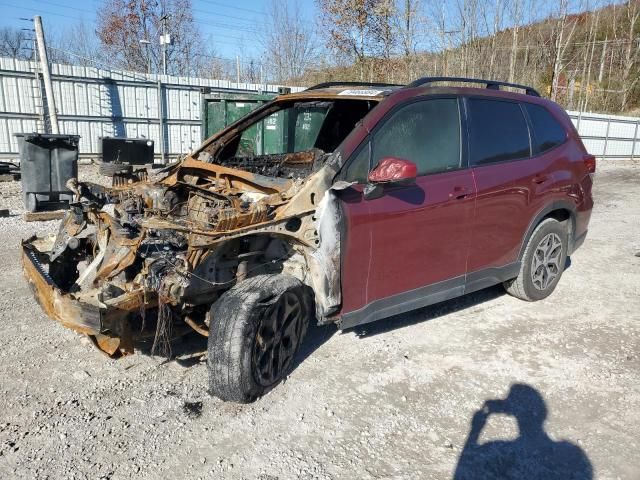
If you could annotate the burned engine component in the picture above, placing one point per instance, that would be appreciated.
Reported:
(290, 165)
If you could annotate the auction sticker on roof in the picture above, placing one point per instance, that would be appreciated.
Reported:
(363, 93)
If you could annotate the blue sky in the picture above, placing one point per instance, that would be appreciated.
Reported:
(227, 24)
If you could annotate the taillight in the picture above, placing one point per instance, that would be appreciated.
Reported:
(590, 163)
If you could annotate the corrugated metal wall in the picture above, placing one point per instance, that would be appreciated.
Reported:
(94, 103)
(609, 136)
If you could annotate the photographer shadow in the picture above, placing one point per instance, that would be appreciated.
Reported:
(533, 455)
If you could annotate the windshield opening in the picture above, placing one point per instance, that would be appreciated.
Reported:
(290, 141)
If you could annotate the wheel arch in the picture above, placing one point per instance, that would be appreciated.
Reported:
(560, 210)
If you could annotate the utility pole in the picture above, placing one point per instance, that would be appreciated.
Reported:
(237, 68)
(147, 44)
(164, 41)
(407, 39)
(46, 74)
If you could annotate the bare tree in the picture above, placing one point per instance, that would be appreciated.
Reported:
(565, 27)
(383, 27)
(493, 28)
(125, 27)
(631, 54)
(468, 11)
(212, 66)
(353, 27)
(588, 60)
(562, 54)
(77, 44)
(289, 42)
(15, 43)
(408, 23)
(516, 19)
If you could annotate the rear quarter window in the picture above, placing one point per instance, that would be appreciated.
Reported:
(548, 133)
(498, 131)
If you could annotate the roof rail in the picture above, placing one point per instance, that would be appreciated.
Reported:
(490, 84)
(352, 84)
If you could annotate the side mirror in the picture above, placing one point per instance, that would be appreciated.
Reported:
(394, 170)
(389, 171)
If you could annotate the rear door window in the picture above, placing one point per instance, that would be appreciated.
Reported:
(547, 131)
(426, 132)
(497, 131)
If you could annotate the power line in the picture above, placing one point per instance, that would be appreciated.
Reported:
(40, 11)
(53, 4)
(210, 25)
(233, 7)
(225, 26)
(247, 28)
(208, 12)
(202, 12)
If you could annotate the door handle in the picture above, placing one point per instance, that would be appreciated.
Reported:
(540, 179)
(459, 193)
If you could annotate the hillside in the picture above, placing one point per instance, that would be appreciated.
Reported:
(588, 61)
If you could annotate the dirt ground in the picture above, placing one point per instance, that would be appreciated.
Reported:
(393, 400)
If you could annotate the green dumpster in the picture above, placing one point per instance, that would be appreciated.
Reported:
(220, 109)
(274, 134)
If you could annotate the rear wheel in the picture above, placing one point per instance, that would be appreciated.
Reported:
(543, 262)
(255, 332)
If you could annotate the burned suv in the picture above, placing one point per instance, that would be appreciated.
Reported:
(341, 204)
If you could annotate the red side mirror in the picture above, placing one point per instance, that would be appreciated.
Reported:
(393, 169)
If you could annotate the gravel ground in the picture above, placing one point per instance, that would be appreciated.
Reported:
(394, 399)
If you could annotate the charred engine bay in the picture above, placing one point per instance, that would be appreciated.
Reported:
(288, 165)
(151, 221)
(129, 249)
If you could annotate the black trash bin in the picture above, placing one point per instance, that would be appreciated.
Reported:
(47, 162)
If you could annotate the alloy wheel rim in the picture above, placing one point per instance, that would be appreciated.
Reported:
(545, 264)
(277, 339)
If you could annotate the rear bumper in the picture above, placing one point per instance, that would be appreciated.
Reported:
(106, 325)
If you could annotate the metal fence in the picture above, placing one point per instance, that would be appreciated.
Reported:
(93, 103)
(609, 136)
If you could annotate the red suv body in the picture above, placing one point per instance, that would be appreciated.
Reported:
(464, 227)
(341, 204)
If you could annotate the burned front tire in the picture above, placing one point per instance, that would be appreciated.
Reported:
(255, 331)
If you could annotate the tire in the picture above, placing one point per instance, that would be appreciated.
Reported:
(110, 169)
(243, 344)
(535, 282)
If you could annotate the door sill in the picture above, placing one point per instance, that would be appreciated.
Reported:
(428, 295)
